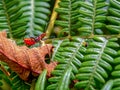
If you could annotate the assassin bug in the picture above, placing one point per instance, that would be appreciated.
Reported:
(31, 41)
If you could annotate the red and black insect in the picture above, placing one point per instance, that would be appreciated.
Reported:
(31, 41)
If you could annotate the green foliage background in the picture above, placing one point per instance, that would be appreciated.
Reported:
(88, 53)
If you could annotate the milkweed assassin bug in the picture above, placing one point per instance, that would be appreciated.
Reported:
(31, 41)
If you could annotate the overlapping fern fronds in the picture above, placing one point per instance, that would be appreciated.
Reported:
(9, 17)
(68, 54)
(97, 63)
(17, 83)
(24, 18)
(113, 83)
(84, 63)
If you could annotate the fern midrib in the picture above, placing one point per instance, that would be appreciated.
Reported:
(32, 17)
(74, 53)
(64, 82)
(8, 19)
(72, 56)
(97, 62)
(94, 15)
(56, 49)
(69, 20)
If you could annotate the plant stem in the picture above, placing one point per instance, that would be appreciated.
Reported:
(4, 70)
(85, 37)
(52, 20)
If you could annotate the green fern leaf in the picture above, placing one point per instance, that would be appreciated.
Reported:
(40, 84)
(26, 17)
(108, 85)
(92, 16)
(64, 49)
(9, 16)
(116, 84)
(96, 66)
(68, 17)
(35, 14)
(63, 83)
(113, 19)
(17, 83)
(116, 73)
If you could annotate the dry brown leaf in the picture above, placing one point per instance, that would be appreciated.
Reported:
(25, 61)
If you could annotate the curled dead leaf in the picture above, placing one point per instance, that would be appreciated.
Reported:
(25, 61)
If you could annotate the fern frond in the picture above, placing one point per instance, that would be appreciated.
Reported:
(93, 15)
(68, 53)
(116, 84)
(116, 72)
(63, 83)
(28, 17)
(4, 76)
(9, 16)
(41, 81)
(108, 85)
(114, 17)
(4, 80)
(96, 63)
(68, 17)
(36, 15)
(17, 83)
